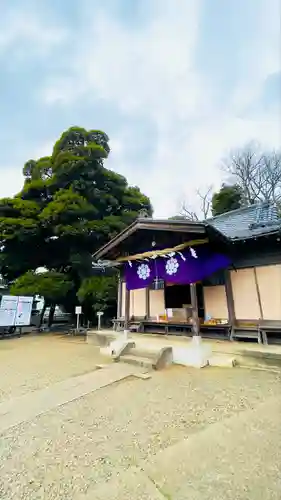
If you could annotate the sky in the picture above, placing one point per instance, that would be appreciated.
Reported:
(176, 84)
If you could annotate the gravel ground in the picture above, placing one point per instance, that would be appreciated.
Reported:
(34, 362)
(62, 453)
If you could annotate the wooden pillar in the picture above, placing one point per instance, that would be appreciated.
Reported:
(194, 304)
(258, 293)
(147, 303)
(229, 297)
(119, 297)
(127, 309)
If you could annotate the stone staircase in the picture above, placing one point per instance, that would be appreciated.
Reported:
(151, 356)
(147, 358)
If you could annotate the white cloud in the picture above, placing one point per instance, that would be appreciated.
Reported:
(19, 28)
(149, 72)
(11, 176)
(11, 181)
(45, 149)
(261, 57)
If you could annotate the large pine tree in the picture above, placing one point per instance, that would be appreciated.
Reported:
(69, 206)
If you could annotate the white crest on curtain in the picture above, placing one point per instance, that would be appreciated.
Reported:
(172, 266)
(143, 271)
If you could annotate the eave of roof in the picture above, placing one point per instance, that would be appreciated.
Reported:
(252, 222)
(182, 226)
(245, 223)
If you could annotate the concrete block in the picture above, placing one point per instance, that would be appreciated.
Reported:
(116, 348)
(195, 354)
(106, 351)
(104, 338)
(121, 346)
(223, 361)
(92, 339)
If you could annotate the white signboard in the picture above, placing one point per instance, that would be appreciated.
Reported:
(24, 309)
(8, 310)
(9, 302)
(78, 310)
(15, 311)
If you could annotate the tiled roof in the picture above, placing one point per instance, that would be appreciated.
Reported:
(248, 222)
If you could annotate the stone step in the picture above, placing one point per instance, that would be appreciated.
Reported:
(143, 352)
(159, 358)
(131, 359)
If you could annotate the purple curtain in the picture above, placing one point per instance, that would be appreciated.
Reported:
(189, 266)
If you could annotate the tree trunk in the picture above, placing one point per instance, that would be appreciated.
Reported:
(51, 315)
(42, 314)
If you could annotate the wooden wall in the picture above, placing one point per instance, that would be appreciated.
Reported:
(269, 282)
(157, 303)
(248, 285)
(138, 302)
(215, 304)
(245, 296)
(247, 288)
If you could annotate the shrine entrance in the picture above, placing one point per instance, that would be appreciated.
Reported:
(162, 265)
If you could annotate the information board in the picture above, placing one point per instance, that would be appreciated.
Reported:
(8, 310)
(15, 311)
(24, 309)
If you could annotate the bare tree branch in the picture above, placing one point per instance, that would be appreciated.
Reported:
(205, 206)
(188, 214)
(206, 200)
(257, 173)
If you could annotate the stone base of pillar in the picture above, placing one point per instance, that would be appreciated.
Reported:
(196, 354)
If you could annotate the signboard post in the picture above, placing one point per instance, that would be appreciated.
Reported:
(99, 315)
(78, 311)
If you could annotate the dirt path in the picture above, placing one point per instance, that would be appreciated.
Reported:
(78, 446)
(34, 362)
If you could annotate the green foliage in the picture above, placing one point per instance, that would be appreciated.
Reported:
(177, 217)
(52, 286)
(69, 206)
(98, 293)
(226, 199)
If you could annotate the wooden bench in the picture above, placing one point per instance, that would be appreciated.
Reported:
(218, 330)
(166, 327)
(246, 329)
(267, 327)
(154, 326)
(180, 326)
(135, 324)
